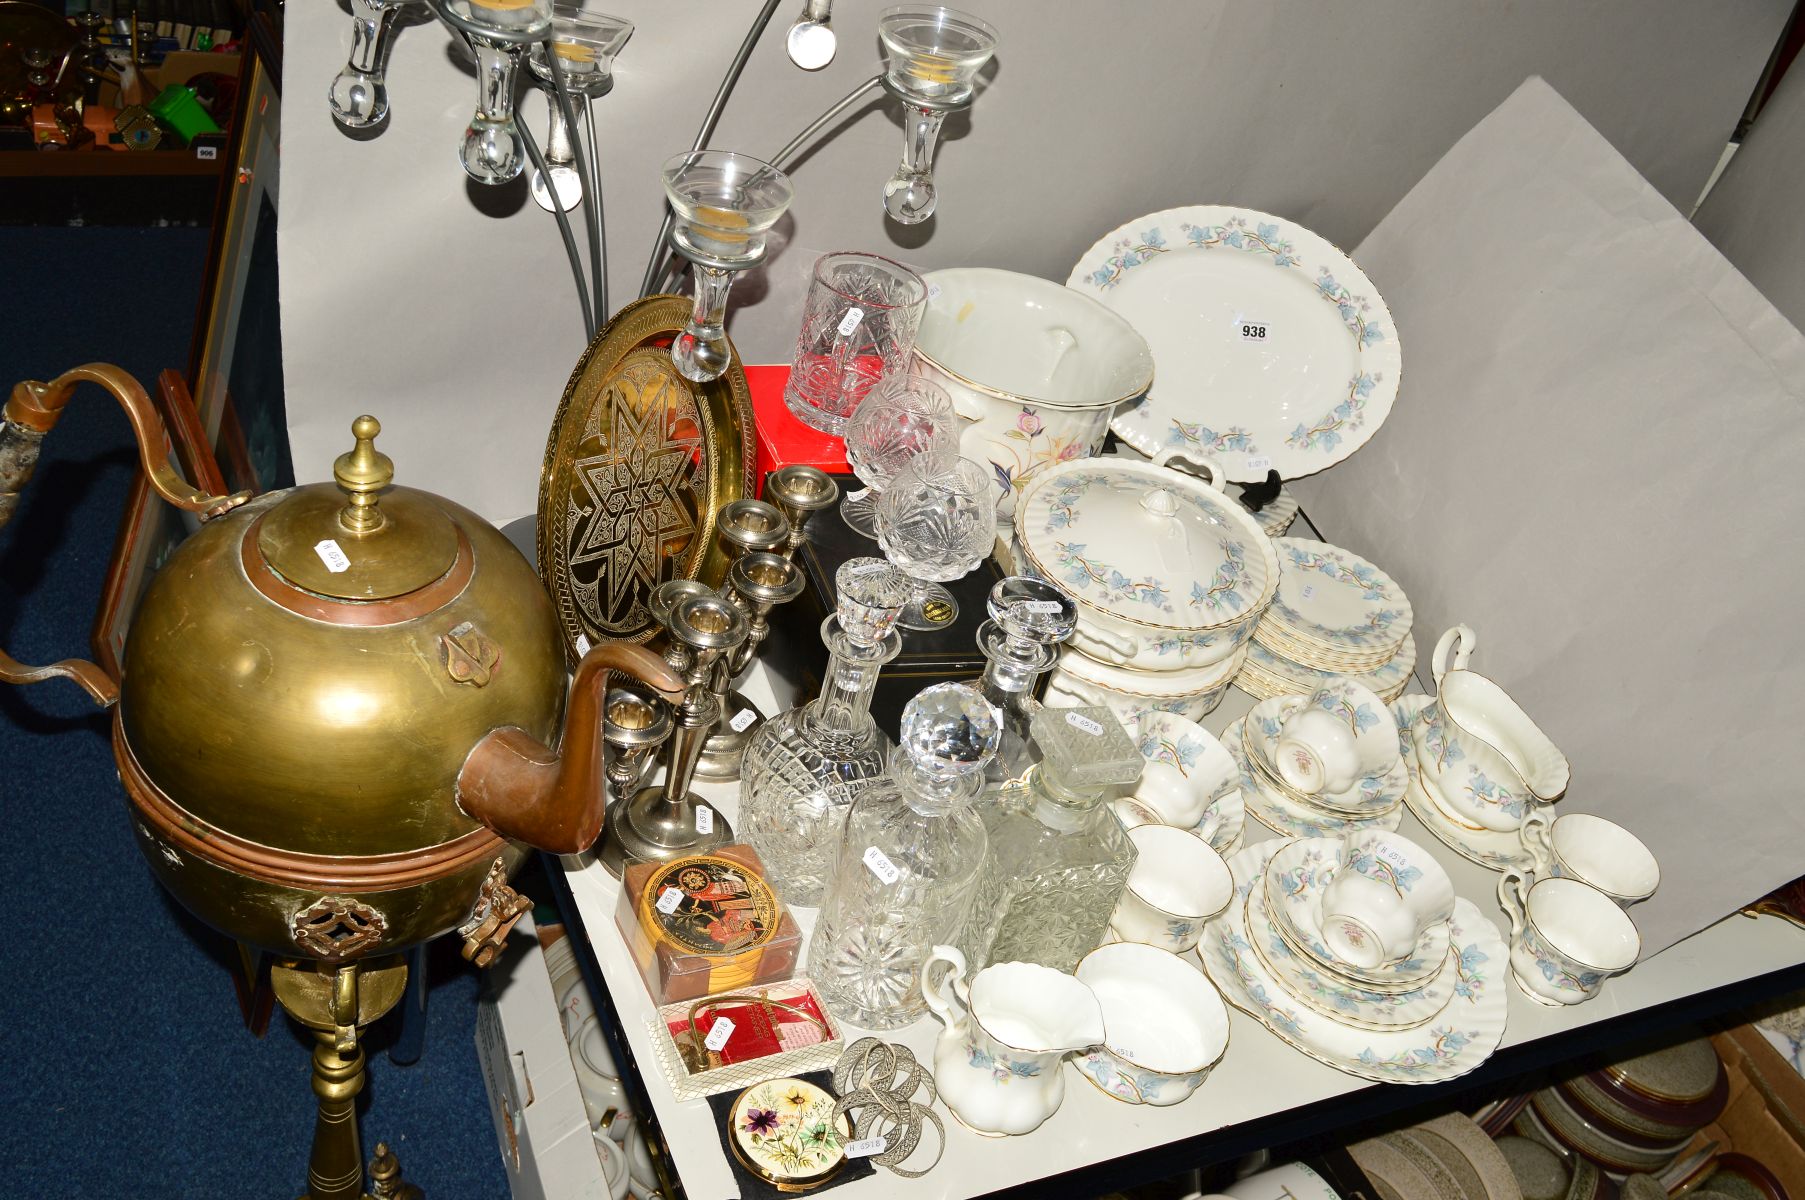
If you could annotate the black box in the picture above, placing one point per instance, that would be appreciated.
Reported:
(795, 651)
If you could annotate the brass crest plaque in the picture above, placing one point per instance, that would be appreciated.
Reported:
(638, 463)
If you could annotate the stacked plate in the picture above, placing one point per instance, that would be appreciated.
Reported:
(1433, 1015)
(1635, 1116)
(1449, 1158)
(1373, 802)
(1334, 614)
(1276, 515)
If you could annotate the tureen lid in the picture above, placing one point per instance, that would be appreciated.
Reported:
(360, 540)
(1150, 545)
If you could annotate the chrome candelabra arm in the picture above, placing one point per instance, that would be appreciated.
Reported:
(782, 158)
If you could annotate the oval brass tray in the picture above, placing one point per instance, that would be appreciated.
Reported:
(638, 463)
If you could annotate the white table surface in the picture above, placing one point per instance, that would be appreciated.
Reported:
(1258, 1077)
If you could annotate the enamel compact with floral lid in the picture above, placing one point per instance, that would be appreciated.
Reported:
(1168, 572)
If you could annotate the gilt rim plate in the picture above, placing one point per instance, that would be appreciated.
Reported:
(638, 463)
(1307, 388)
(1457, 1041)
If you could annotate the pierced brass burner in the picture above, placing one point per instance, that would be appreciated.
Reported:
(638, 464)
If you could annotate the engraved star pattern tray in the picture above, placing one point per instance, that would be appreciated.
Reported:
(638, 462)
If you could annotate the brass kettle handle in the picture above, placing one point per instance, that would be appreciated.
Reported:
(33, 412)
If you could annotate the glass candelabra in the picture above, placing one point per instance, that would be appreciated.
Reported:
(359, 96)
(499, 31)
(725, 204)
(585, 40)
(932, 57)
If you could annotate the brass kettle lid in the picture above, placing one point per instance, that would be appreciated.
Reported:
(363, 539)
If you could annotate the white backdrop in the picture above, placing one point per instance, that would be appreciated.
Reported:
(457, 325)
(1594, 467)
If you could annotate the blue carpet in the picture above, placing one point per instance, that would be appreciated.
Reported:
(136, 1076)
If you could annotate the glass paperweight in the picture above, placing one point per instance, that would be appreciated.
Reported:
(932, 57)
(901, 417)
(1058, 858)
(492, 151)
(358, 97)
(584, 41)
(725, 204)
(936, 521)
(907, 864)
(1029, 619)
(803, 768)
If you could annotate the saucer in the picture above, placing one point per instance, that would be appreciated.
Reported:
(1456, 1042)
(1260, 735)
(1284, 815)
(1339, 1000)
(1490, 849)
(1295, 881)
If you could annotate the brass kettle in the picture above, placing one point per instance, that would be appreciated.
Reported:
(339, 702)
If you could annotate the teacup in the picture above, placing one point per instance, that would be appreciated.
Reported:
(1566, 937)
(1164, 1025)
(1337, 737)
(1592, 850)
(1178, 883)
(1187, 769)
(1385, 893)
(1492, 765)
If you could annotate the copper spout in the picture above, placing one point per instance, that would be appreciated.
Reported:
(554, 799)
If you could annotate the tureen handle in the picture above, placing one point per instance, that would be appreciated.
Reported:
(28, 416)
(1211, 471)
(1460, 636)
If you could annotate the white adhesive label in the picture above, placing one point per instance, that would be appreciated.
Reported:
(1040, 606)
(850, 321)
(933, 292)
(1309, 590)
(1078, 720)
(582, 644)
(868, 568)
(742, 720)
(881, 866)
(718, 1033)
(206, 153)
(669, 899)
(1261, 464)
(704, 820)
(332, 556)
(1252, 330)
(866, 1147)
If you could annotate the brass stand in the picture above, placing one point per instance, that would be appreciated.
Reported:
(335, 1002)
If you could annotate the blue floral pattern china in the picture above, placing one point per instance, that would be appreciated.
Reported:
(1334, 609)
(1303, 374)
(1295, 880)
(1133, 1085)
(1490, 849)
(1452, 1042)
(1199, 757)
(1283, 815)
(1267, 674)
(1370, 795)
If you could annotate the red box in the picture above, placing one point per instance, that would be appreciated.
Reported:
(783, 440)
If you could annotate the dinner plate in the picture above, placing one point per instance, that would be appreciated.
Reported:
(1332, 600)
(1337, 998)
(1271, 349)
(1260, 737)
(1282, 815)
(1273, 674)
(1295, 880)
(1490, 849)
(1456, 1042)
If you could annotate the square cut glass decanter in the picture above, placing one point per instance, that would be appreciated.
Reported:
(804, 768)
(907, 864)
(1058, 858)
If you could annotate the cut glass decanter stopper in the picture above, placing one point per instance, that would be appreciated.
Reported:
(1029, 619)
(1058, 858)
(903, 877)
(932, 58)
(803, 768)
(725, 204)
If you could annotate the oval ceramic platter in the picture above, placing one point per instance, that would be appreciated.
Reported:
(1459, 1038)
(1271, 349)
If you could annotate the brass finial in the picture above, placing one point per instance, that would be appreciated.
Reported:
(362, 472)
